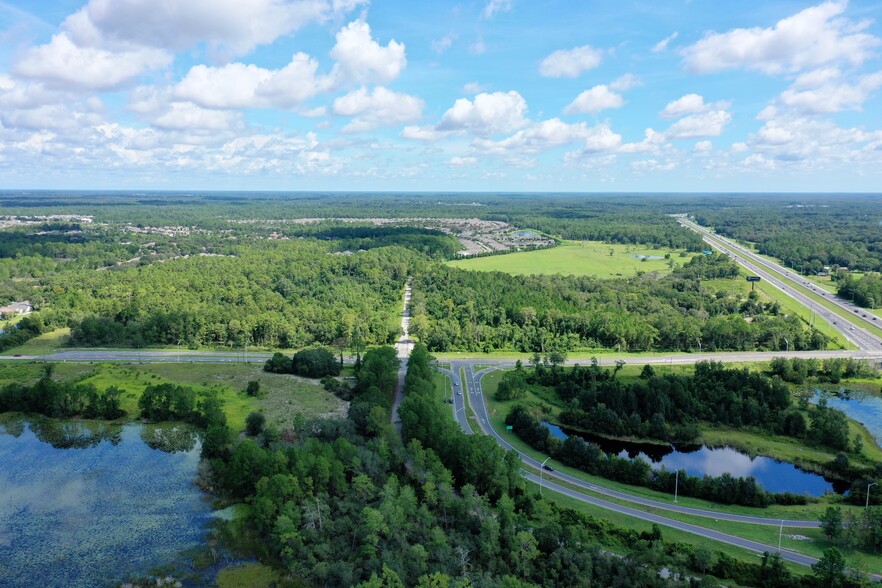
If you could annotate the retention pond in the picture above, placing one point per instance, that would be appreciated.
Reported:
(699, 460)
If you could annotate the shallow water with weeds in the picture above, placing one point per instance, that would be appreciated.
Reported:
(91, 504)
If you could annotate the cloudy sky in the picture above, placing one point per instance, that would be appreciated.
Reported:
(575, 95)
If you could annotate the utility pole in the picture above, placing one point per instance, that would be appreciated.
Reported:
(870, 485)
(780, 534)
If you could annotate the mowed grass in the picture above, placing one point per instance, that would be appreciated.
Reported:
(283, 396)
(45, 343)
(578, 258)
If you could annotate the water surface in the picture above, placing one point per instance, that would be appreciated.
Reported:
(859, 406)
(89, 504)
(699, 460)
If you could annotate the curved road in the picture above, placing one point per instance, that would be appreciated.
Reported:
(476, 401)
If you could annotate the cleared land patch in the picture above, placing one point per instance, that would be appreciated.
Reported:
(579, 258)
(282, 396)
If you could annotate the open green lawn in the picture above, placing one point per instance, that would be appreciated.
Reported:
(578, 258)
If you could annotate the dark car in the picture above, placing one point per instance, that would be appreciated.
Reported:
(548, 467)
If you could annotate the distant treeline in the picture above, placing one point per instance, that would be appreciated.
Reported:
(806, 233)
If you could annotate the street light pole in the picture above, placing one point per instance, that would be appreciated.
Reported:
(540, 474)
(870, 485)
(780, 534)
(676, 483)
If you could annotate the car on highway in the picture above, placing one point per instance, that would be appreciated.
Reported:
(548, 467)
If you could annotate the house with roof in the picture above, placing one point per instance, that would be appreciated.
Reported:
(16, 309)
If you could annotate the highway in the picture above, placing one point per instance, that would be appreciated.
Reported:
(796, 286)
(478, 406)
(472, 390)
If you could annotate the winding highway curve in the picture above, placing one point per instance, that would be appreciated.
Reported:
(471, 389)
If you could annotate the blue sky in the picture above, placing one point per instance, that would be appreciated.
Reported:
(699, 95)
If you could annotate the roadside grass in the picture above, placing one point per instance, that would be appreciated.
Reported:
(443, 387)
(824, 301)
(43, 344)
(18, 372)
(578, 258)
(811, 542)
(490, 382)
(618, 519)
(497, 411)
(668, 533)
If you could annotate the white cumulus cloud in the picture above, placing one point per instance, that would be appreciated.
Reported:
(594, 100)
(816, 36)
(486, 115)
(234, 25)
(237, 85)
(62, 63)
(706, 124)
(688, 104)
(360, 59)
(570, 63)
(831, 95)
(377, 108)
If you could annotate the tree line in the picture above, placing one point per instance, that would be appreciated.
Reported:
(483, 311)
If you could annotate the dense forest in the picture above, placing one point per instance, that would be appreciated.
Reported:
(457, 309)
(806, 233)
(227, 270)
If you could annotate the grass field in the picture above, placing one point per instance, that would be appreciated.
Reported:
(283, 396)
(578, 258)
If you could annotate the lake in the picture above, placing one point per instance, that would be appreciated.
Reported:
(699, 460)
(89, 504)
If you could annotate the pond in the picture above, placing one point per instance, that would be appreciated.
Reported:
(699, 460)
(89, 504)
(859, 406)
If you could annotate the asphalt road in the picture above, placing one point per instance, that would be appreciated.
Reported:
(402, 350)
(474, 393)
(476, 399)
(795, 286)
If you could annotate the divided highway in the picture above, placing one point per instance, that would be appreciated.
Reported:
(793, 285)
